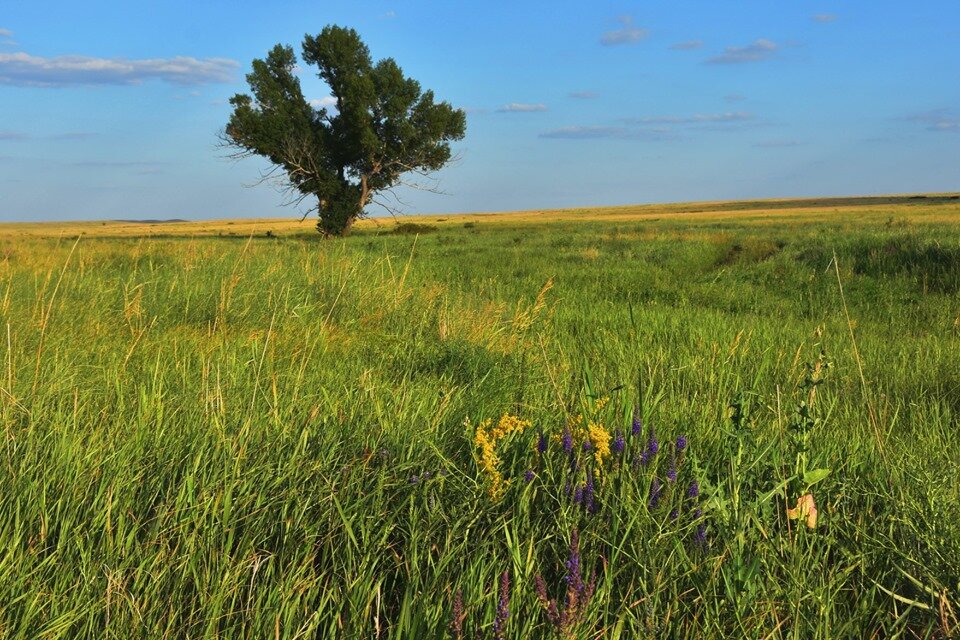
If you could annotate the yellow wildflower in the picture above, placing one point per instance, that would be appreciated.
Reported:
(600, 441)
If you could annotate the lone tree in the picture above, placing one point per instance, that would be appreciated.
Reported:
(383, 127)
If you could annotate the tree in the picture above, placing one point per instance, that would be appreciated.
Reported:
(383, 127)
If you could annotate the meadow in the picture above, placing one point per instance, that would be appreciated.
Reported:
(609, 423)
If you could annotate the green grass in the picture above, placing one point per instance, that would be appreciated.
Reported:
(218, 437)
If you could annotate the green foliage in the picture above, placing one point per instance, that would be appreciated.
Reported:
(384, 125)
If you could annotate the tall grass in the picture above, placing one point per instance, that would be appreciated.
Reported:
(276, 437)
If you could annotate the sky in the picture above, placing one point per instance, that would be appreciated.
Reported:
(111, 110)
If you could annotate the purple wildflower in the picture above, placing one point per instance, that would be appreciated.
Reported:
(503, 607)
(697, 513)
(619, 444)
(542, 443)
(573, 578)
(588, 492)
(578, 495)
(672, 471)
(653, 446)
(681, 443)
(700, 537)
(567, 441)
(693, 490)
(656, 489)
(674, 514)
(529, 476)
(587, 445)
(637, 426)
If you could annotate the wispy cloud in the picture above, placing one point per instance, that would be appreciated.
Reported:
(629, 34)
(616, 133)
(69, 135)
(583, 95)
(734, 97)
(776, 144)
(74, 135)
(118, 164)
(25, 70)
(824, 18)
(6, 33)
(687, 45)
(941, 120)
(6, 38)
(756, 51)
(388, 15)
(697, 118)
(522, 107)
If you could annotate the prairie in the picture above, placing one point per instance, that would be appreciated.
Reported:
(590, 423)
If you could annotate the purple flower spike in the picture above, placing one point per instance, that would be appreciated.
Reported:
(637, 426)
(586, 445)
(542, 443)
(653, 445)
(529, 476)
(681, 443)
(674, 514)
(693, 490)
(573, 578)
(697, 513)
(567, 440)
(700, 537)
(619, 444)
(503, 607)
(656, 489)
(578, 495)
(672, 471)
(588, 492)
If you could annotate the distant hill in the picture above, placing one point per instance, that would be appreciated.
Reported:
(168, 221)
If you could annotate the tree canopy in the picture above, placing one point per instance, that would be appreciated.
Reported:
(383, 126)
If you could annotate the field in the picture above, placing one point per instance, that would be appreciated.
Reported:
(573, 424)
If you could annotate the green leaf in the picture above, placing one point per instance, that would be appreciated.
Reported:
(811, 478)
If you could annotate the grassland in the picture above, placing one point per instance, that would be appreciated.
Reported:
(213, 433)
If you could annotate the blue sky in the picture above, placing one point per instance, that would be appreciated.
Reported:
(111, 109)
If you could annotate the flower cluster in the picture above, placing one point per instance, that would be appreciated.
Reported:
(485, 438)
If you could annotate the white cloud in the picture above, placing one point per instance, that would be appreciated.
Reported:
(325, 102)
(615, 133)
(6, 33)
(629, 34)
(687, 45)
(940, 120)
(25, 70)
(698, 118)
(583, 95)
(521, 107)
(758, 50)
(824, 18)
(388, 15)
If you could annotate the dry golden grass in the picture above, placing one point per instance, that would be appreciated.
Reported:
(896, 209)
